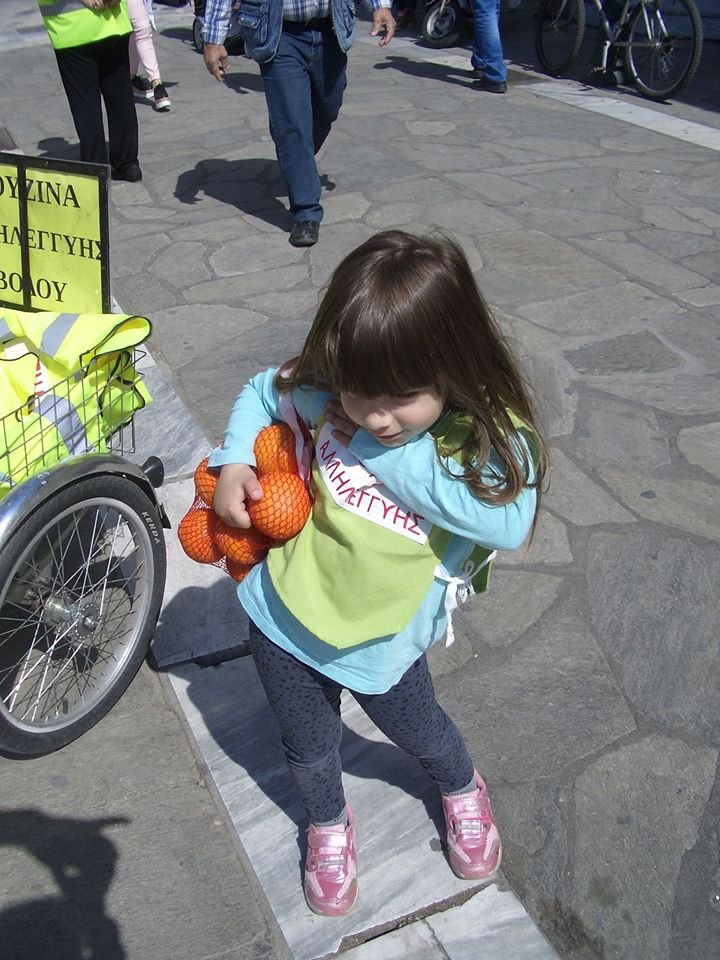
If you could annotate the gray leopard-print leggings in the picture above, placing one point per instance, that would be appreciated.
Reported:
(307, 707)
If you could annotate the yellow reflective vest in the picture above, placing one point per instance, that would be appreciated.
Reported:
(70, 23)
(67, 383)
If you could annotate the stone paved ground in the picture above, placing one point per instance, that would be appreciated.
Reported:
(587, 682)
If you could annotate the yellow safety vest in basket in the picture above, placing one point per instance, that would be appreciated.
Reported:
(68, 382)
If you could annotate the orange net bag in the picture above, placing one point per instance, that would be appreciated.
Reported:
(280, 514)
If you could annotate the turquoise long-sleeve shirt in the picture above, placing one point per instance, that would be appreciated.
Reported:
(413, 474)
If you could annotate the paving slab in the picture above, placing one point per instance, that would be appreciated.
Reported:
(632, 113)
(492, 921)
(403, 869)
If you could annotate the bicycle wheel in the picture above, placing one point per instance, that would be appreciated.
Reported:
(81, 583)
(559, 29)
(664, 46)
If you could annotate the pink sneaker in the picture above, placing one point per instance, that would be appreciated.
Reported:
(331, 868)
(472, 835)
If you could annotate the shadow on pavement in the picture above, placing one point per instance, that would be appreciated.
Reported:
(59, 148)
(73, 925)
(459, 76)
(251, 185)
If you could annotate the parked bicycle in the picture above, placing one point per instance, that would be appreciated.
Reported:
(658, 42)
(82, 557)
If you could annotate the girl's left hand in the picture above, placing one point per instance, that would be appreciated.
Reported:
(344, 429)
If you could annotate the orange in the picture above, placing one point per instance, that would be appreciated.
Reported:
(205, 482)
(195, 533)
(275, 450)
(242, 546)
(238, 571)
(284, 508)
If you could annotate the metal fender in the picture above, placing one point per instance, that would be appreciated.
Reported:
(22, 500)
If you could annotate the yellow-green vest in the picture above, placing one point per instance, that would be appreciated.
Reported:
(70, 23)
(347, 580)
(89, 386)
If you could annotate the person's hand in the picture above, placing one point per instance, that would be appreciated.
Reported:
(344, 429)
(237, 486)
(383, 25)
(216, 59)
(94, 4)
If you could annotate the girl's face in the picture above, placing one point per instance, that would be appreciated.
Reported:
(394, 420)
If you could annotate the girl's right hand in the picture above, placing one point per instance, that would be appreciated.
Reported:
(236, 487)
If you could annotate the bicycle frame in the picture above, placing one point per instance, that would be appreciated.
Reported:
(655, 44)
(613, 31)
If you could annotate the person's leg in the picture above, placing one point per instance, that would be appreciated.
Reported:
(307, 708)
(80, 77)
(487, 52)
(410, 716)
(142, 48)
(289, 104)
(133, 12)
(114, 67)
(328, 79)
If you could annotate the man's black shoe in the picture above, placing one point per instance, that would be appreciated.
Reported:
(304, 233)
(131, 172)
(491, 86)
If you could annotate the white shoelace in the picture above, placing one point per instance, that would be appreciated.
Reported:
(459, 588)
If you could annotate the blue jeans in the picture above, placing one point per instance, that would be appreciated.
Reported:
(487, 52)
(304, 86)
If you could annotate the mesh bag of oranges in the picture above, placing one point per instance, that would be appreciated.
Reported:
(278, 516)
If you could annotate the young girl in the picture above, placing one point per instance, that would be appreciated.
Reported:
(426, 460)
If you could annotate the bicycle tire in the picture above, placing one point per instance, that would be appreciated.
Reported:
(81, 584)
(559, 30)
(197, 35)
(663, 63)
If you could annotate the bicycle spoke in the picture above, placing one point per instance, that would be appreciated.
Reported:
(33, 648)
(664, 41)
(76, 602)
(68, 664)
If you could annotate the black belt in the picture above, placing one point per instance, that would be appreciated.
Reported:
(317, 23)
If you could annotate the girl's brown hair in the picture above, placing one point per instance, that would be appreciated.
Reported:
(403, 312)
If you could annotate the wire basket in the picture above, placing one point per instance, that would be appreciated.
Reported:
(90, 411)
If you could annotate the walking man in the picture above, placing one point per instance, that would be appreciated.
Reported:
(301, 46)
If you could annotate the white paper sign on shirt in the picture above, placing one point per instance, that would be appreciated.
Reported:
(354, 489)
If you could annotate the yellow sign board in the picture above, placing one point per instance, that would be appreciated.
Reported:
(54, 235)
